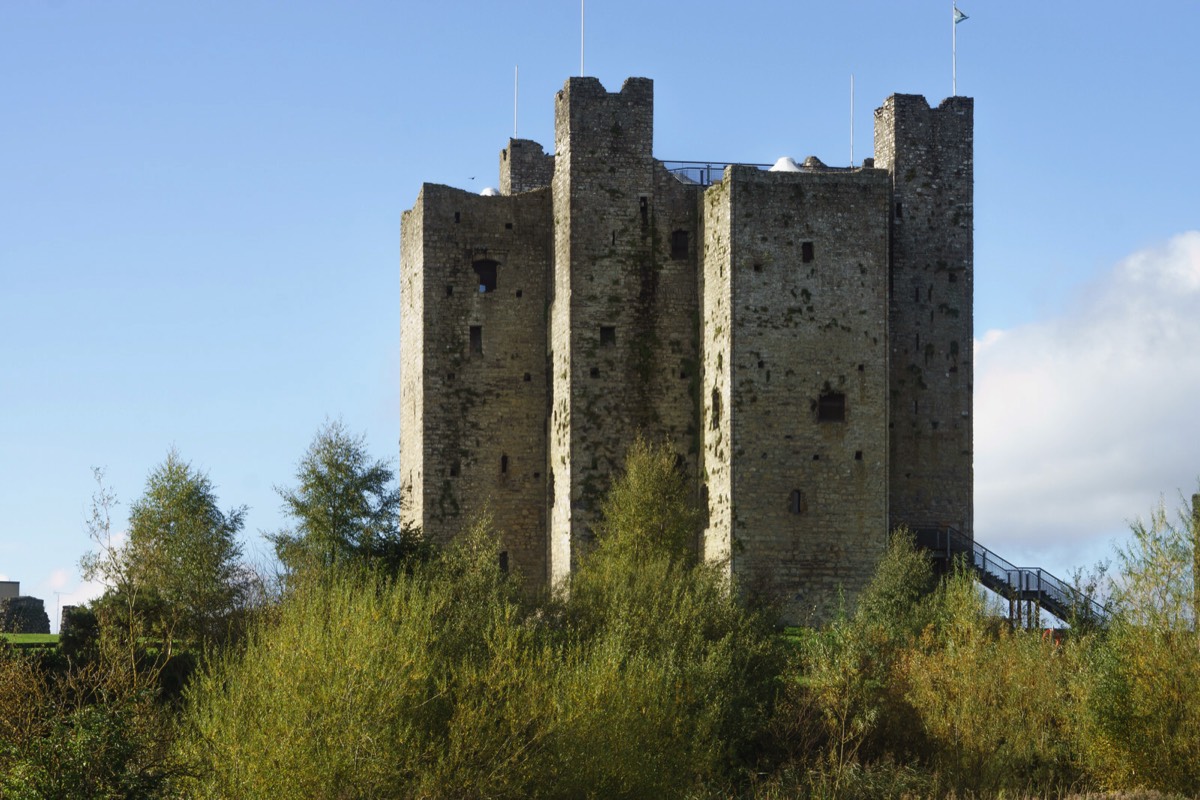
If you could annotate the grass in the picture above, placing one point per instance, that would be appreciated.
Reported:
(31, 639)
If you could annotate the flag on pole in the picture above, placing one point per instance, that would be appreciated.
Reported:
(959, 16)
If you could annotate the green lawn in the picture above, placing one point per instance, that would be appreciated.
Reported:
(32, 639)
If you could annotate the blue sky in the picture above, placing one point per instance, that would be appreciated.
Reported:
(200, 203)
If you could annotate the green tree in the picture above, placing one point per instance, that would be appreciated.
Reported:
(345, 507)
(178, 577)
(1141, 693)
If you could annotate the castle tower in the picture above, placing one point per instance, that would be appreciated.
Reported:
(929, 153)
(795, 367)
(623, 300)
(801, 339)
(473, 368)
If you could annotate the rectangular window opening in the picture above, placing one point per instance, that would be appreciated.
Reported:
(831, 407)
(477, 340)
(504, 561)
(608, 336)
(797, 504)
(485, 269)
(679, 245)
(504, 465)
(806, 252)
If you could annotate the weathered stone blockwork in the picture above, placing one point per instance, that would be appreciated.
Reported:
(755, 325)
(929, 154)
(795, 313)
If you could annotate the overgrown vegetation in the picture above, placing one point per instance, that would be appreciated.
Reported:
(434, 675)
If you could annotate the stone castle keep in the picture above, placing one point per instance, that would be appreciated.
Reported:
(802, 339)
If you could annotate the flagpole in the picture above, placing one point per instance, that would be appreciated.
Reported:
(953, 49)
(852, 119)
(581, 38)
(516, 83)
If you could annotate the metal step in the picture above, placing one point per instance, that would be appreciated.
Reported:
(1016, 584)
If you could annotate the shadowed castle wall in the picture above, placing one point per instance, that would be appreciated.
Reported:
(622, 314)
(929, 154)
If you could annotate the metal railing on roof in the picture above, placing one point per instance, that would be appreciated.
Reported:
(703, 173)
(706, 173)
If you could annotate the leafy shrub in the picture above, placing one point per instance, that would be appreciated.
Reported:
(1140, 695)
(647, 680)
(993, 701)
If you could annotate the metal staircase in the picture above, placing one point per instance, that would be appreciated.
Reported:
(1025, 588)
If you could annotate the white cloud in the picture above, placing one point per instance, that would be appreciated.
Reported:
(1083, 421)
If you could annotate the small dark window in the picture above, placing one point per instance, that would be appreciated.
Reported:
(831, 407)
(519, 293)
(758, 267)
(504, 465)
(528, 377)
(608, 336)
(454, 469)
(449, 290)
(508, 226)
(716, 409)
(449, 376)
(477, 340)
(594, 372)
(899, 211)
(504, 561)
(485, 268)
(644, 207)
(457, 217)
(679, 245)
(953, 277)
(858, 455)
(806, 252)
(796, 502)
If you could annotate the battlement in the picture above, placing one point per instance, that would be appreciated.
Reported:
(524, 166)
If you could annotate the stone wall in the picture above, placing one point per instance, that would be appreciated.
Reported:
(23, 615)
(800, 372)
(929, 153)
(480, 322)
(524, 166)
(802, 340)
(624, 304)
